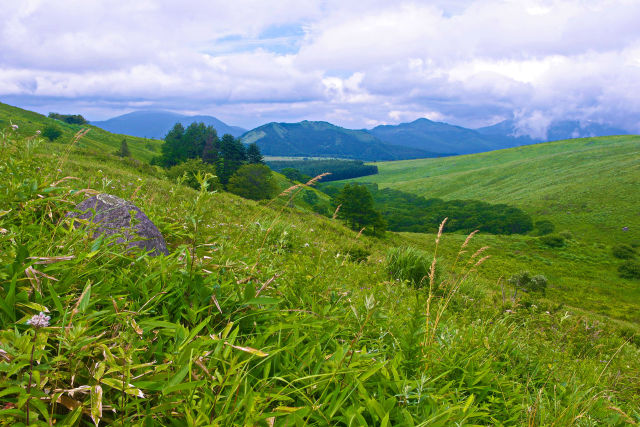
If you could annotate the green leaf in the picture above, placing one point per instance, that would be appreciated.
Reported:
(262, 301)
(177, 378)
(55, 298)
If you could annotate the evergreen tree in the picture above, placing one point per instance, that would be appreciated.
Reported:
(233, 155)
(124, 149)
(172, 149)
(254, 156)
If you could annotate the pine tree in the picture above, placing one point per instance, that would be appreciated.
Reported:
(254, 156)
(233, 155)
(124, 149)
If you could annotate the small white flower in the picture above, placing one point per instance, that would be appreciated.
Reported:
(14, 127)
(306, 245)
(38, 132)
(39, 320)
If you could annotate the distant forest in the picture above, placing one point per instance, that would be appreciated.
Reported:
(412, 213)
(339, 169)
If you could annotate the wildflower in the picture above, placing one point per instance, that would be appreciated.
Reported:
(306, 245)
(38, 132)
(39, 321)
(625, 228)
(14, 127)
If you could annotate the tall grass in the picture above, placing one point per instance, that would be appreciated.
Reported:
(219, 333)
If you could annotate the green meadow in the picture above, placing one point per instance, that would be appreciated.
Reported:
(587, 188)
(267, 314)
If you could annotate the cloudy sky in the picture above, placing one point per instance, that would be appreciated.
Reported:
(354, 63)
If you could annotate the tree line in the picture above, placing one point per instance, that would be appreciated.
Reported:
(339, 169)
(408, 212)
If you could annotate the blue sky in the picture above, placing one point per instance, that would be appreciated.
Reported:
(354, 63)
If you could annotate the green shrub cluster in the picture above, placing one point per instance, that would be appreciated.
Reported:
(623, 251)
(553, 240)
(528, 283)
(192, 172)
(412, 265)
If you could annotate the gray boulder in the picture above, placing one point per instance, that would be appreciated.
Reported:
(111, 215)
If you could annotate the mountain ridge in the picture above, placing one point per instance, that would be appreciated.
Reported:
(324, 139)
(156, 123)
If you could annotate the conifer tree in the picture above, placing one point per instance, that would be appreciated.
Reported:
(124, 149)
(254, 156)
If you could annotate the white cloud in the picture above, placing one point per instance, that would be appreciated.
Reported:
(358, 64)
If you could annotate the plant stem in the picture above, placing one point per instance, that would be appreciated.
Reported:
(33, 348)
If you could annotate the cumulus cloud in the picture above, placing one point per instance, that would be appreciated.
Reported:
(357, 64)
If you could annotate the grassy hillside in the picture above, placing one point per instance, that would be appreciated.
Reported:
(587, 188)
(96, 139)
(266, 315)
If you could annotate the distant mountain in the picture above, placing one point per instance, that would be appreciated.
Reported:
(439, 137)
(156, 124)
(322, 139)
(563, 129)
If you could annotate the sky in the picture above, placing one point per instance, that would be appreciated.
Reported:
(355, 63)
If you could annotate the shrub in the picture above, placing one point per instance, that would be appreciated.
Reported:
(544, 227)
(358, 254)
(524, 281)
(553, 240)
(630, 269)
(412, 265)
(622, 251)
(51, 132)
(253, 182)
(187, 173)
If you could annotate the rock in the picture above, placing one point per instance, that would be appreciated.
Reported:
(110, 215)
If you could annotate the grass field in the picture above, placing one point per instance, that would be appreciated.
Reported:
(96, 139)
(267, 315)
(587, 187)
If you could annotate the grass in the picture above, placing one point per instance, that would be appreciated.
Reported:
(96, 139)
(586, 187)
(258, 317)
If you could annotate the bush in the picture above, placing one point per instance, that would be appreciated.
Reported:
(358, 254)
(553, 240)
(187, 173)
(51, 132)
(524, 281)
(253, 182)
(629, 270)
(544, 227)
(412, 265)
(622, 251)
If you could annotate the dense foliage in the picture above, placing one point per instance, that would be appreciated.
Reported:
(199, 141)
(526, 282)
(51, 132)
(193, 173)
(339, 169)
(253, 182)
(408, 212)
(354, 204)
(73, 119)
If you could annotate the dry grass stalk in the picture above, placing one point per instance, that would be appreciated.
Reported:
(317, 178)
(432, 273)
(335, 213)
(76, 138)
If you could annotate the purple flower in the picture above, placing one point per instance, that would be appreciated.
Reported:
(39, 321)
(625, 228)
(14, 127)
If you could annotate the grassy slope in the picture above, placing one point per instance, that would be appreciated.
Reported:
(586, 186)
(97, 139)
(333, 358)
